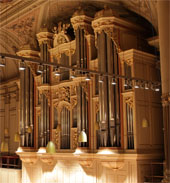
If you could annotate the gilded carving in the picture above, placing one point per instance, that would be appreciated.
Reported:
(129, 101)
(56, 138)
(73, 90)
(47, 94)
(97, 106)
(74, 138)
(45, 37)
(84, 85)
(73, 102)
(32, 67)
(63, 93)
(82, 22)
(63, 104)
(128, 61)
(106, 24)
(23, 28)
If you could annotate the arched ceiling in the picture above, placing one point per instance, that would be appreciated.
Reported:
(20, 20)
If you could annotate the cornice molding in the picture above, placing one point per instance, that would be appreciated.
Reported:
(133, 55)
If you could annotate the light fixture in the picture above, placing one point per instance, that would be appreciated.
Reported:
(50, 147)
(22, 66)
(113, 82)
(57, 73)
(142, 85)
(40, 68)
(82, 136)
(4, 146)
(152, 86)
(16, 137)
(136, 84)
(2, 62)
(41, 65)
(126, 83)
(146, 86)
(157, 88)
(6, 132)
(88, 78)
(72, 74)
(42, 150)
(101, 79)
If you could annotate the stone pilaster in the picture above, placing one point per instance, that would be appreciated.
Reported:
(164, 29)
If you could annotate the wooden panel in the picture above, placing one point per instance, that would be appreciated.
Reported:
(143, 134)
(10, 175)
(157, 125)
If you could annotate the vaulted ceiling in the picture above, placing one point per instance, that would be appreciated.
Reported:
(20, 20)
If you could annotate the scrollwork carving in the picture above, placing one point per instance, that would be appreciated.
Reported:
(96, 106)
(84, 85)
(73, 102)
(63, 94)
(47, 95)
(129, 101)
(74, 138)
(128, 61)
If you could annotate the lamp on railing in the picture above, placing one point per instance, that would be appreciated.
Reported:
(4, 146)
(82, 136)
(2, 61)
(50, 147)
(153, 85)
(22, 65)
(16, 137)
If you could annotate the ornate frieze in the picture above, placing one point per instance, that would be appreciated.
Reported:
(127, 61)
(63, 94)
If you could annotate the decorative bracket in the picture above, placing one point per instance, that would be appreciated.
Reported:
(86, 163)
(31, 160)
(114, 165)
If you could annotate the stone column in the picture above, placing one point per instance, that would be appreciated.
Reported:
(164, 41)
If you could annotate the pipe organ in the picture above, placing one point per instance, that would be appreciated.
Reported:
(109, 95)
(64, 106)
(27, 108)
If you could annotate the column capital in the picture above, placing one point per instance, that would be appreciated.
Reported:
(109, 21)
(45, 37)
(82, 21)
